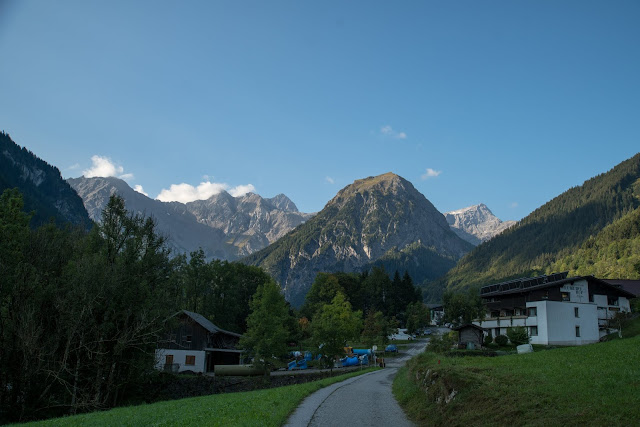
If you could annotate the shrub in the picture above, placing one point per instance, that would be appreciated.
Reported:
(502, 340)
(518, 335)
(488, 339)
(440, 344)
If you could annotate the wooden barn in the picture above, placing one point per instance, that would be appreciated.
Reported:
(470, 336)
(196, 344)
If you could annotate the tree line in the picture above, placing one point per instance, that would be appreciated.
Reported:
(81, 311)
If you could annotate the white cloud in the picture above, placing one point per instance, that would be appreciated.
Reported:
(241, 190)
(329, 180)
(140, 190)
(430, 173)
(74, 166)
(104, 167)
(185, 193)
(388, 131)
(513, 205)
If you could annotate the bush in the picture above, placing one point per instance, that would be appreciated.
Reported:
(502, 340)
(440, 344)
(518, 335)
(488, 339)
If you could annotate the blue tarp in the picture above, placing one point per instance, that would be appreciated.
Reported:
(350, 361)
(361, 351)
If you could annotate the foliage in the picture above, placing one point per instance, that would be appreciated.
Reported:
(462, 308)
(441, 343)
(488, 339)
(602, 377)
(219, 290)
(551, 232)
(501, 340)
(376, 329)
(79, 312)
(270, 407)
(334, 324)
(417, 317)
(518, 335)
(613, 253)
(267, 333)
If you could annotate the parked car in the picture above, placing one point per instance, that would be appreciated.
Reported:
(428, 332)
(392, 348)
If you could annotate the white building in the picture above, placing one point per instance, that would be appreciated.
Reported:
(555, 309)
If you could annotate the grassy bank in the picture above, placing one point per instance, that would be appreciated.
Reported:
(593, 384)
(270, 407)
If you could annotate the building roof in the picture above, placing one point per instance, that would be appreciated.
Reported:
(468, 325)
(206, 323)
(632, 286)
(524, 285)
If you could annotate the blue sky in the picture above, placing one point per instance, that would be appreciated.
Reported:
(496, 102)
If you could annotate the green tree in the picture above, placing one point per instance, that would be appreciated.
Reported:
(375, 328)
(462, 308)
(417, 317)
(333, 325)
(518, 335)
(267, 333)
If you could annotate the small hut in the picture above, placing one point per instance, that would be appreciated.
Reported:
(470, 336)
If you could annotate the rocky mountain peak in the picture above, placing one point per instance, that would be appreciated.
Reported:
(282, 202)
(361, 224)
(476, 224)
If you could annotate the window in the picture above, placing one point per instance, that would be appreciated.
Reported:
(497, 331)
(533, 311)
(168, 359)
(576, 311)
(533, 331)
(190, 360)
(612, 300)
(545, 295)
(591, 297)
(188, 338)
(565, 296)
(577, 331)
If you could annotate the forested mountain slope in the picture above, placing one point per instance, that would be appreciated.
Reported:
(552, 231)
(42, 186)
(614, 253)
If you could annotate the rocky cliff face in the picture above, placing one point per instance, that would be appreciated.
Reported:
(476, 224)
(361, 224)
(250, 222)
(226, 227)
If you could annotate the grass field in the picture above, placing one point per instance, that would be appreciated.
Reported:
(269, 407)
(596, 384)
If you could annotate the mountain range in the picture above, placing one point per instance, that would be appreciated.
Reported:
(376, 219)
(224, 226)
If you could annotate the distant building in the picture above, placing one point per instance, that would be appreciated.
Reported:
(555, 309)
(196, 345)
(436, 313)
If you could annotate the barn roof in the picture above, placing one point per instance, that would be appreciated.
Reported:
(206, 323)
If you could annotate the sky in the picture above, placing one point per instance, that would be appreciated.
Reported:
(497, 102)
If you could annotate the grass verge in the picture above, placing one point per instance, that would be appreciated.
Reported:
(597, 384)
(270, 407)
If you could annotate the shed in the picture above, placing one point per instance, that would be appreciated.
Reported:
(470, 333)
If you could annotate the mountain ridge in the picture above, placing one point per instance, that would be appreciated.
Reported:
(358, 226)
